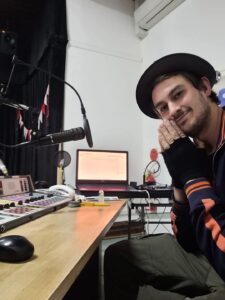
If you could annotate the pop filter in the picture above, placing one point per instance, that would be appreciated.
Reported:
(87, 131)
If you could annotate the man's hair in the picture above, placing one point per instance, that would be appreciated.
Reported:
(193, 79)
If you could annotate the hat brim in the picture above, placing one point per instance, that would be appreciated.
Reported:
(178, 62)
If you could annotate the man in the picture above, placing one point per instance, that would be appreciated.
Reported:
(191, 264)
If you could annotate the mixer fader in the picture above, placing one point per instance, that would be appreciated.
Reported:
(20, 203)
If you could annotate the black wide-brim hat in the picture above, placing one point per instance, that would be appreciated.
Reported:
(177, 62)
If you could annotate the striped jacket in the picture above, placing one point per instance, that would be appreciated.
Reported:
(200, 224)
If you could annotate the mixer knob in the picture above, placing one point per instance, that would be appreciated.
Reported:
(12, 204)
(27, 200)
(6, 205)
(1, 207)
(20, 202)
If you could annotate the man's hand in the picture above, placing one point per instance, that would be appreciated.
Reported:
(168, 132)
(182, 158)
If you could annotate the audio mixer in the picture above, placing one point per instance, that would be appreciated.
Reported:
(20, 203)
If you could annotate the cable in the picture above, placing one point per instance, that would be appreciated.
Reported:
(14, 146)
(149, 198)
(149, 202)
(154, 171)
(159, 222)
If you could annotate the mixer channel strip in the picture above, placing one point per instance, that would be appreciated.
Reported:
(22, 208)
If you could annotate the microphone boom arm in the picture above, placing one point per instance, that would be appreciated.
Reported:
(87, 131)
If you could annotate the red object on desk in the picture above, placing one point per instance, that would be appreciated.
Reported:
(154, 154)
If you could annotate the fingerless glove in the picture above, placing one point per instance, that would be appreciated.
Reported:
(184, 161)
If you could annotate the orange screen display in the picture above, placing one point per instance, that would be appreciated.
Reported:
(100, 165)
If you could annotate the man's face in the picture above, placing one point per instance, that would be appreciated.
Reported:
(177, 99)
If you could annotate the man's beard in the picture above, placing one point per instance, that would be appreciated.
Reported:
(199, 124)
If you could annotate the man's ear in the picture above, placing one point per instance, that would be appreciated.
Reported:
(206, 86)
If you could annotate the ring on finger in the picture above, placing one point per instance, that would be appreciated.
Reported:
(176, 137)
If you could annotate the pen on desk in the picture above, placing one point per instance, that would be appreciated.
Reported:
(88, 203)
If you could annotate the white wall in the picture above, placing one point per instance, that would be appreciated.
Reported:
(105, 61)
(196, 26)
(103, 64)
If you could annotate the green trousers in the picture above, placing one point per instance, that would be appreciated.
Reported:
(158, 268)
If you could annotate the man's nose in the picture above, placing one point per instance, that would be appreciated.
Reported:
(173, 109)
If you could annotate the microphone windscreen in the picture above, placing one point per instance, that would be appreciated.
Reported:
(87, 132)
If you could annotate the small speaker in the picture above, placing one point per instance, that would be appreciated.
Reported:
(8, 43)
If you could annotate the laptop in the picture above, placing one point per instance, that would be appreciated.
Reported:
(105, 170)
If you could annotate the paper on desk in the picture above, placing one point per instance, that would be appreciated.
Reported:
(93, 203)
(106, 198)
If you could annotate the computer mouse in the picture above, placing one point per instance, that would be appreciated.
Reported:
(15, 248)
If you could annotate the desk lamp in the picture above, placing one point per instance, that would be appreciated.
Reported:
(152, 169)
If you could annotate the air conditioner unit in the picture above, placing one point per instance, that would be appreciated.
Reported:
(151, 12)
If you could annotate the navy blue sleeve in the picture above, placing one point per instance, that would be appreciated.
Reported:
(208, 217)
(182, 226)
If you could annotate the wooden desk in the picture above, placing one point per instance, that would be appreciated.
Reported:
(64, 242)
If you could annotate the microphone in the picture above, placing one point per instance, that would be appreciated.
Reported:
(74, 134)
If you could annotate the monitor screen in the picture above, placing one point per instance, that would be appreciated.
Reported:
(102, 165)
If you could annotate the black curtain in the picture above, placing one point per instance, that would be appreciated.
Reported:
(41, 32)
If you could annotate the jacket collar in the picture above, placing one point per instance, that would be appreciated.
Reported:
(222, 131)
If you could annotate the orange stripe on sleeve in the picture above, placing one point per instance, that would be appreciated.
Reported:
(197, 186)
(212, 225)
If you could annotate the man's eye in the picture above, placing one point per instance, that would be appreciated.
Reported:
(178, 94)
(162, 108)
